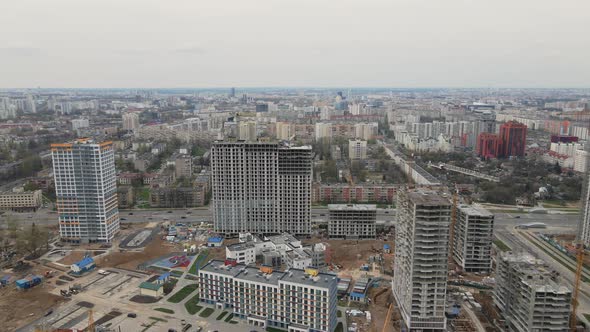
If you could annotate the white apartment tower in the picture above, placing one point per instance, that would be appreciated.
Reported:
(85, 186)
(584, 224)
(261, 187)
(130, 121)
(357, 149)
(528, 296)
(421, 258)
(472, 243)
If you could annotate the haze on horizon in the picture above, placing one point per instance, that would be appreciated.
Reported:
(222, 43)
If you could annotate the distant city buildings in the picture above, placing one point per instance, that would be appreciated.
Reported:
(79, 124)
(510, 142)
(357, 149)
(421, 259)
(261, 187)
(130, 121)
(85, 186)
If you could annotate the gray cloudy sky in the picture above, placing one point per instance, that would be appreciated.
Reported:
(223, 43)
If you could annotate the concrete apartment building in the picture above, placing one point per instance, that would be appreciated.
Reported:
(21, 201)
(421, 258)
(130, 121)
(472, 243)
(357, 149)
(528, 295)
(352, 221)
(295, 300)
(86, 190)
(261, 187)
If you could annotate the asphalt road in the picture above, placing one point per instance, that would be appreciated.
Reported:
(558, 222)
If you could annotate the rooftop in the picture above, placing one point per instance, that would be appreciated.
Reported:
(241, 246)
(352, 207)
(428, 197)
(474, 210)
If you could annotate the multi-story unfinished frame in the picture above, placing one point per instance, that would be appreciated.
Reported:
(472, 243)
(529, 296)
(421, 258)
(261, 187)
(352, 221)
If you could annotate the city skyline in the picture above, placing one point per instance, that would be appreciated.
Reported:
(381, 43)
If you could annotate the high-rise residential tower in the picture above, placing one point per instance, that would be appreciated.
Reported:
(85, 186)
(472, 243)
(130, 121)
(513, 136)
(421, 258)
(261, 187)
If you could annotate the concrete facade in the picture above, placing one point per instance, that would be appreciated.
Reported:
(472, 243)
(421, 258)
(261, 188)
(529, 296)
(295, 300)
(352, 221)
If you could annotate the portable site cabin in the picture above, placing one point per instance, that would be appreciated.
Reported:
(5, 280)
(84, 265)
(214, 241)
(28, 282)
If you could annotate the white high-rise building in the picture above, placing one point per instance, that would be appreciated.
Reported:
(130, 121)
(472, 243)
(284, 130)
(80, 123)
(261, 187)
(323, 130)
(366, 131)
(247, 131)
(86, 190)
(421, 258)
(357, 149)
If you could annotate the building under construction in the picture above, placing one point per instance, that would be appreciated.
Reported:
(528, 296)
(421, 258)
(472, 238)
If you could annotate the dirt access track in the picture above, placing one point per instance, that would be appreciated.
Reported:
(21, 307)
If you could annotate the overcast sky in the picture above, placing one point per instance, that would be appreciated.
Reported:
(248, 43)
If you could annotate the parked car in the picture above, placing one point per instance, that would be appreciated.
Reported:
(131, 315)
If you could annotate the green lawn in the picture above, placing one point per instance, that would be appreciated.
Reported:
(199, 262)
(587, 316)
(229, 318)
(143, 194)
(221, 315)
(168, 311)
(338, 313)
(274, 329)
(339, 327)
(501, 245)
(183, 293)
(206, 313)
(192, 305)
(159, 319)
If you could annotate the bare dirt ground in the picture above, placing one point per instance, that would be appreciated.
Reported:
(379, 307)
(75, 256)
(131, 259)
(351, 254)
(21, 307)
